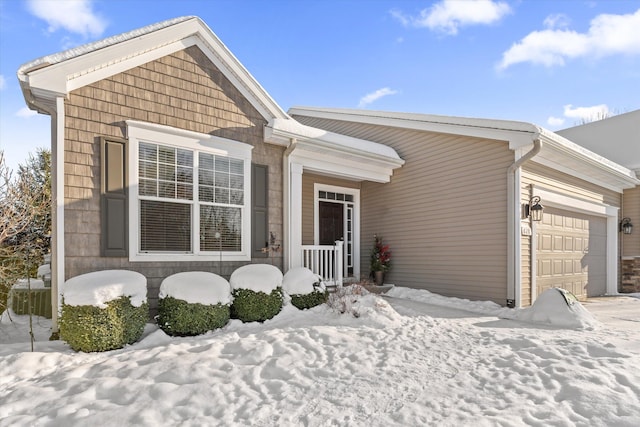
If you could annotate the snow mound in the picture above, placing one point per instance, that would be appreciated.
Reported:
(558, 307)
(300, 281)
(196, 287)
(424, 296)
(256, 277)
(376, 311)
(100, 287)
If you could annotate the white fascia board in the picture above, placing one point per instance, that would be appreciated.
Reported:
(70, 74)
(519, 135)
(321, 141)
(341, 167)
(574, 204)
(587, 166)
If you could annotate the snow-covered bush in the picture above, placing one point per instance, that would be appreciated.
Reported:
(345, 299)
(104, 310)
(257, 292)
(192, 303)
(305, 288)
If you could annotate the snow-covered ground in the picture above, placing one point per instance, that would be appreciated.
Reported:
(410, 359)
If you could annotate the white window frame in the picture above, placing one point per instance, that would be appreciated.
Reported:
(197, 142)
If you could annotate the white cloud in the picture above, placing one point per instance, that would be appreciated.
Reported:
(607, 35)
(374, 96)
(449, 15)
(556, 21)
(587, 114)
(75, 16)
(25, 112)
(3, 82)
(555, 121)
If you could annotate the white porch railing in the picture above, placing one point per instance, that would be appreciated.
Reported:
(326, 261)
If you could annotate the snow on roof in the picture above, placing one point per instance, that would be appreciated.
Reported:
(56, 58)
(300, 131)
(196, 287)
(99, 287)
(420, 118)
(620, 175)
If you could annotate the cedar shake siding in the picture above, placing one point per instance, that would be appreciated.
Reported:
(182, 90)
(444, 212)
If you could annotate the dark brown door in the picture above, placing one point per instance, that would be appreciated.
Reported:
(331, 222)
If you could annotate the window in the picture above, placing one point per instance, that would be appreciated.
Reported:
(191, 201)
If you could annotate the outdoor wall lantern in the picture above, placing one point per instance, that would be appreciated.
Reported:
(534, 209)
(625, 226)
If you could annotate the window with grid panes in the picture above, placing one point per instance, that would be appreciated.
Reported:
(181, 190)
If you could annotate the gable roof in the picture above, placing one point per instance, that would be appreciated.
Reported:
(617, 138)
(44, 79)
(557, 152)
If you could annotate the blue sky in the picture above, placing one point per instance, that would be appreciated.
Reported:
(553, 63)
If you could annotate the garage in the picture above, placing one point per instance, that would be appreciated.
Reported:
(571, 253)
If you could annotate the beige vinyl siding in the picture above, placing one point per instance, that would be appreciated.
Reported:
(525, 247)
(631, 209)
(184, 90)
(551, 179)
(444, 212)
(308, 198)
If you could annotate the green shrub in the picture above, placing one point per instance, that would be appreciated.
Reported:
(303, 301)
(251, 306)
(88, 328)
(177, 317)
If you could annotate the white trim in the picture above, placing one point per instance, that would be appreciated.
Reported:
(574, 204)
(295, 214)
(165, 135)
(355, 192)
(58, 205)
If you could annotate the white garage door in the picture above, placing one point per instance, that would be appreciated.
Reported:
(571, 253)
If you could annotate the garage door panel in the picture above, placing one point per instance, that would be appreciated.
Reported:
(571, 253)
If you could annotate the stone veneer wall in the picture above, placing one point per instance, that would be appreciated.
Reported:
(630, 275)
(184, 90)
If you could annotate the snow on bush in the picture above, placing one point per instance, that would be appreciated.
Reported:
(301, 281)
(256, 277)
(305, 288)
(257, 292)
(192, 303)
(558, 307)
(103, 310)
(100, 287)
(358, 302)
(196, 287)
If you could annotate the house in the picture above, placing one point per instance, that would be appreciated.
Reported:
(456, 213)
(169, 156)
(618, 138)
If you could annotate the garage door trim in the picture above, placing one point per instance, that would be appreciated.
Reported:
(574, 204)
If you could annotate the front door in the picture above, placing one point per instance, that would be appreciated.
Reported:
(331, 216)
(337, 220)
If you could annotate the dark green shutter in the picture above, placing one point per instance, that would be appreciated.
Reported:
(259, 209)
(113, 204)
